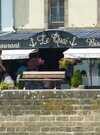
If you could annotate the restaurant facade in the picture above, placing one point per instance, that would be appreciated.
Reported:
(52, 44)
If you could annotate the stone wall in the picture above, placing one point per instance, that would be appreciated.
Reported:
(50, 112)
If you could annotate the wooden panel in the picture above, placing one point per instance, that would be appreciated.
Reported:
(44, 75)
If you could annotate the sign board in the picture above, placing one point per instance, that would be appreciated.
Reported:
(62, 39)
(15, 44)
(48, 39)
(53, 39)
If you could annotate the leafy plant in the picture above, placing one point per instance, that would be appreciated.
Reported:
(76, 79)
(5, 86)
(63, 63)
(20, 85)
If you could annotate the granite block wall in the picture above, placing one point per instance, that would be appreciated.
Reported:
(65, 112)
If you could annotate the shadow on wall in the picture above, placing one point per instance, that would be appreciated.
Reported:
(21, 13)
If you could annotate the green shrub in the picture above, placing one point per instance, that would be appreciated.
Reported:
(20, 85)
(5, 86)
(76, 79)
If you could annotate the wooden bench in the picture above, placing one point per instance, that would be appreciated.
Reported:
(54, 77)
(43, 75)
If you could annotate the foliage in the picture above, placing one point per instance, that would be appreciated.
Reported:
(76, 79)
(5, 86)
(20, 85)
(63, 63)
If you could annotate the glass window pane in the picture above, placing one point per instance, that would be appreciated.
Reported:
(54, 2)
(61, 2)
(56, 10)
(61, 14)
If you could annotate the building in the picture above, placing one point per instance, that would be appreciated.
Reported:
(48, 14)
(6, 15)
(52, 18)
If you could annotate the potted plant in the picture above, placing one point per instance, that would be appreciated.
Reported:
(76, 79)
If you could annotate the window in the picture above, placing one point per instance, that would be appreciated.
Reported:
(6, 15)
(56, 11)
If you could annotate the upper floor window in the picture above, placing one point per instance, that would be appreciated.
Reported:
(56, 11)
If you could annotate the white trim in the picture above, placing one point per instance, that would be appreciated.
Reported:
(82, 53)
(16, 54)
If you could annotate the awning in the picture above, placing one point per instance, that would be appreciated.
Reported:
(86, 37)
(77, 38)
(82, 53)
(17, 40)
(16, 54)
(30, 40)
(74, 38)
(85, 32)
